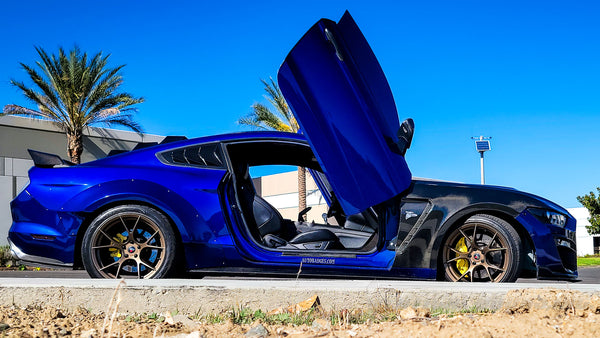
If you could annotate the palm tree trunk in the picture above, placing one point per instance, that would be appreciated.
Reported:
(75, 146)
(301, 189)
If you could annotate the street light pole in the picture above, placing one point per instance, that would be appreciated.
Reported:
(482, 144)
(482, 171)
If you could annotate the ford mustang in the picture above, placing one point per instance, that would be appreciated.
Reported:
(190, 205)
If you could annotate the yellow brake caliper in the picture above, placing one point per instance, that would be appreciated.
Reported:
(462, 264)
(114, 252)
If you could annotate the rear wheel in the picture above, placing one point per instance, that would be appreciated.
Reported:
(129, 241)
(483, 249)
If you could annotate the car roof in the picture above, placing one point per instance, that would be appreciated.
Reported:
(248, 136)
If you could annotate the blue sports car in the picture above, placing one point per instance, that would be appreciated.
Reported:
(190, 205)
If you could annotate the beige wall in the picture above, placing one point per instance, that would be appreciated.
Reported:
(281, 191)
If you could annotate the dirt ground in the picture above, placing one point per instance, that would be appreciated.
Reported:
(526, 313)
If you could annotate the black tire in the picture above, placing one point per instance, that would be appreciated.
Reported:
(129, 241)
(484, 248)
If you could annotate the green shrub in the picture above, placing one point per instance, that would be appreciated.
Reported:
(6, 258)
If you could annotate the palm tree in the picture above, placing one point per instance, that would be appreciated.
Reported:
(281, 119)
(75, 92)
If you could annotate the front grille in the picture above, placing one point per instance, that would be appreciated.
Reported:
(568, 257)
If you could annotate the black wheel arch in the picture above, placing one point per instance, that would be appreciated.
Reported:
(503, 212)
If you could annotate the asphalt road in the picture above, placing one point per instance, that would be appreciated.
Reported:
(586, 276)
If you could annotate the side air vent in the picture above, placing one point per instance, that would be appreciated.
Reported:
(202, 155)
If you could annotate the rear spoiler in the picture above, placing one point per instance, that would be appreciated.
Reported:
(46, 160)
(142, 145)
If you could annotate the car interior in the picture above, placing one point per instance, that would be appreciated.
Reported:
(265, 224)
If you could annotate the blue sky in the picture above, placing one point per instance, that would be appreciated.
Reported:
(526, 73)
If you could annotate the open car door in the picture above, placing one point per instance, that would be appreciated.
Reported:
(343, 103)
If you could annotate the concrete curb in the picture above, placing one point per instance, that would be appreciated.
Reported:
(215, 296)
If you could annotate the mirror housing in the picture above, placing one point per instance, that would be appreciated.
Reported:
(405, 135)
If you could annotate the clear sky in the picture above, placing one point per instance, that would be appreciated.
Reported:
(526, 73)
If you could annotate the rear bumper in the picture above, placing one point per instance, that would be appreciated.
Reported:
(42, 235)
(28, 259)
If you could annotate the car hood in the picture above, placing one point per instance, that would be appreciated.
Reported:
(342, 101)
(476, 193)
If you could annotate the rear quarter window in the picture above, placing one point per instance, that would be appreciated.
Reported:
(202, 155)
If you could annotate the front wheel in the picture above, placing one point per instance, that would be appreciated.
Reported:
(483, 249)
(132, 241)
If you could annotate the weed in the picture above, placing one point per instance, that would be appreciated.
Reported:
(6, 258)
(212, 318)
(244, 316)
(144, 318)
(451, 313)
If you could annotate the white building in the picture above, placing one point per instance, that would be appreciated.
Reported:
(586, 244)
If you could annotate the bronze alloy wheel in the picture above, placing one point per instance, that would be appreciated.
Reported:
(483, 249)
(129, 242)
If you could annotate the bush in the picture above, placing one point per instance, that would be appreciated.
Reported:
(6, 258)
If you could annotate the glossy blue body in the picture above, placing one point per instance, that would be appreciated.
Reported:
(60, 203)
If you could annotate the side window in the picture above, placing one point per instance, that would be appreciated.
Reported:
(202, 155)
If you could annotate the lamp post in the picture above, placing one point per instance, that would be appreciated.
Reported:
(482, 144)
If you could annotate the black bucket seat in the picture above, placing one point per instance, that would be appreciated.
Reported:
(272, 229)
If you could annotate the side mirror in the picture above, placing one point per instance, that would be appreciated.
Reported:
(405, 135)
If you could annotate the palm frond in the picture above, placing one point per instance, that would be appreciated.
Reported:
(262, 117)
(12, 109)
(275, 97)
(124, 120)
(250, 120)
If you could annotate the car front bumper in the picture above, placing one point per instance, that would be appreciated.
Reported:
(555, 247)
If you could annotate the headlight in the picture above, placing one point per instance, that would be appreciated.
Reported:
(550, 217)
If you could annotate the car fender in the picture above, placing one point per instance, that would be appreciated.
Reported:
(99, 196)
(503, 211)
